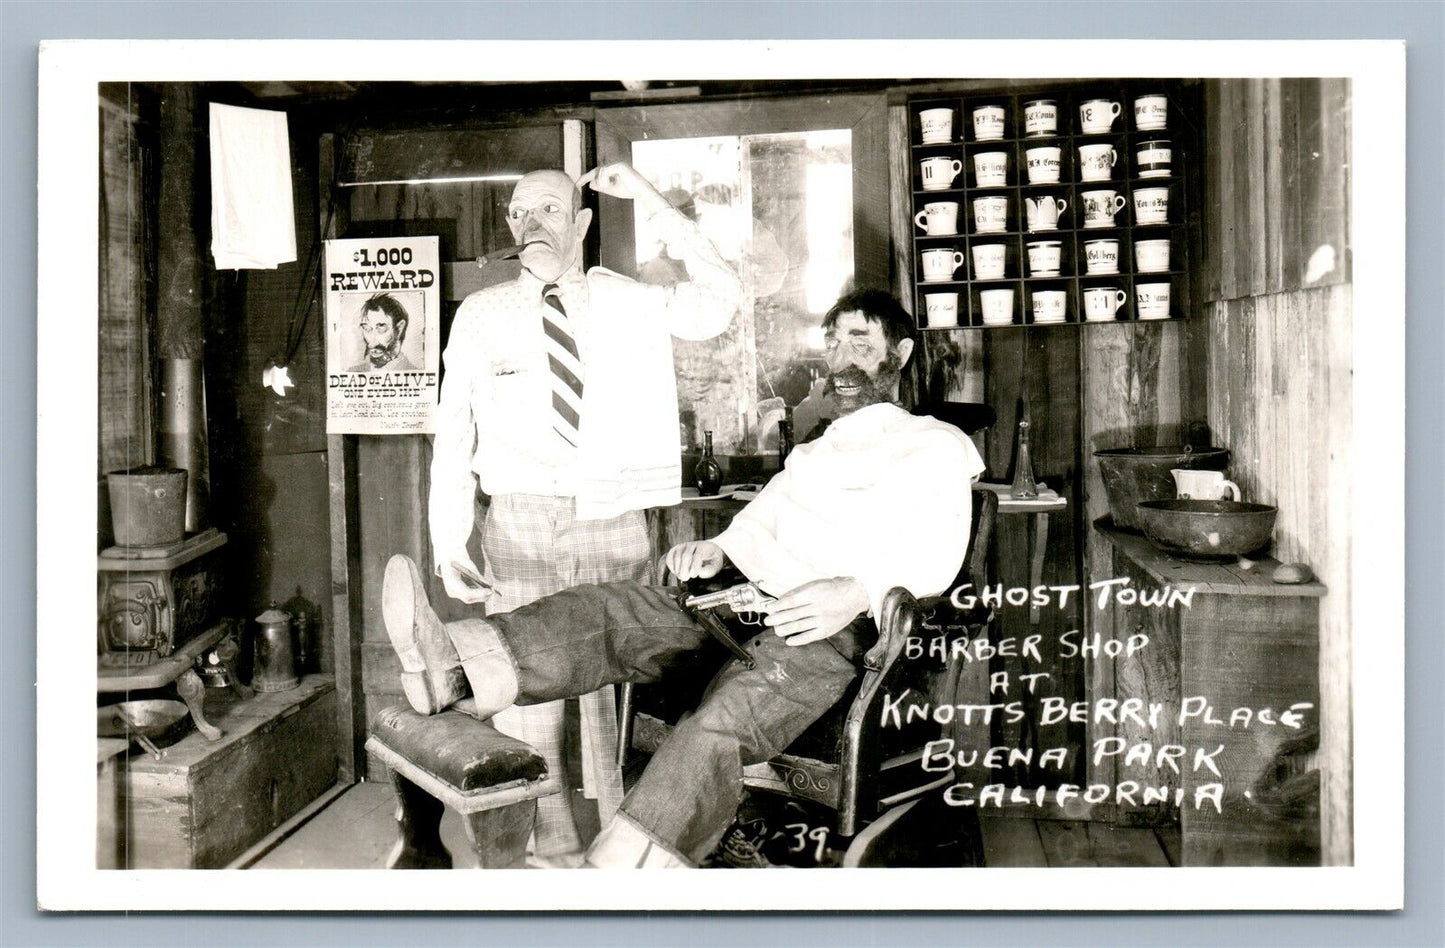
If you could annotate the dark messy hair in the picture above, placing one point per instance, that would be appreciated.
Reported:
(877, 306)
(386, 303)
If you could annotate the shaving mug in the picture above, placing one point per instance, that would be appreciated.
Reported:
(1151, 256)
(1151, 206)
(938, 265)
(1152, 300)
(936, 125)
(1101, 206)
(1045, 257)
(1151, 112)
(938, 173)
(988, 123)
(938, 218)
(941, 309)
(1041, 117)
(1096, 116)
(988, 261)
(1103, 302)
(990, 169)
(990, 215)
(997, 307)
(1101, 256)
(1043, 213)
(1049, 306)
(1096, 162)
(1152, 158)
(1043, 164)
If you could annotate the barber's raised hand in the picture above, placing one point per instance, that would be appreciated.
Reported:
(817, 610)
(701, 559)
(463, 581)
(621, 180)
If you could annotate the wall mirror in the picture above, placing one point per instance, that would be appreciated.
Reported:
(782, 189)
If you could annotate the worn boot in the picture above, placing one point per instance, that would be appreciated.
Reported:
(431, 672)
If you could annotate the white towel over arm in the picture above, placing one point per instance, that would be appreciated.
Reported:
(253, 221)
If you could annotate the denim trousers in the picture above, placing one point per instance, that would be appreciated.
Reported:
(578, 640)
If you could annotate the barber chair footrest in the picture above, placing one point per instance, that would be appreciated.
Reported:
(452, 760)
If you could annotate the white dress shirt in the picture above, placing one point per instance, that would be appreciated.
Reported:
(494, 422)
(883, 497)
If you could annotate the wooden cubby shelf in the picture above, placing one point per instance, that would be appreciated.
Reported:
(1127, 178)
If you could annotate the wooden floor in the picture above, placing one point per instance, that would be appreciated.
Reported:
(358, 829)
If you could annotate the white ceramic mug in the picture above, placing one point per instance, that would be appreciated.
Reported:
(1151, 206)
(1043, 213)
(1151, 256)
(1152, 300)
(1103, 302)
(988, 261)
(936, 125)
(1041, 118)
(1049, 306)
(938, 218)
(1096, 162)
(1096, 116)
(1043, 164)
(1151, 112)
(1101, 256)
(997, 307)
(1045, 256)
(1203, 485)
(938, 265)
(938, 173)
(990, 215)
(988, 123)
(1101, 206)
(1152, 158)
(941, 309)
(990, 169)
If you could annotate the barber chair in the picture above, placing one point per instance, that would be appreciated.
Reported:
(869, 775)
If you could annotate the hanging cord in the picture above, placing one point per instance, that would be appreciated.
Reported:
(307, 289)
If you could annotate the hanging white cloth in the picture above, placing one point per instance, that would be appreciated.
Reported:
(253, 221)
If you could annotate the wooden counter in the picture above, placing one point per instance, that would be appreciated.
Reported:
(1244, 642)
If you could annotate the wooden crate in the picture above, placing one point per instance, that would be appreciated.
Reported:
(205, 803)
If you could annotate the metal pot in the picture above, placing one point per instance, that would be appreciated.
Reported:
(1209, 530)
(275, 652)
(1136, 475)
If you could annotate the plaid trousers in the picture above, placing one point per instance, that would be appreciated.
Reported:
(534, 546)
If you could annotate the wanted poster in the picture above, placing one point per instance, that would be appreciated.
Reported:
(383, 335)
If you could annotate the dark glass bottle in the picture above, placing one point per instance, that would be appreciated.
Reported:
(707, 474)
(785, 441)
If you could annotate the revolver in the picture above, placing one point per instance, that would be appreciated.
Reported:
(741, 599)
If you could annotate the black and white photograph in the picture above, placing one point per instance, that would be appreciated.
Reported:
(874, 459)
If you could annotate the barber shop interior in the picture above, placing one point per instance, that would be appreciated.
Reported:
(900, 473)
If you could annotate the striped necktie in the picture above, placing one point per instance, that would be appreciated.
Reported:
(566, 366)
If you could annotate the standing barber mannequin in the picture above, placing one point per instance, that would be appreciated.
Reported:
(559, 402)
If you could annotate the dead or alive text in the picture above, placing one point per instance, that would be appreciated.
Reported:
(1072, 644)
(1104, 591)
(383, 380)
(382, 280)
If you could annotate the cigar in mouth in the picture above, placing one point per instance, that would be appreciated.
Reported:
(504, 253)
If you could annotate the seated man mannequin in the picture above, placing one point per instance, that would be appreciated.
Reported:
(881, 500)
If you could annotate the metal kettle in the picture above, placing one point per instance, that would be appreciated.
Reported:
(274, 668)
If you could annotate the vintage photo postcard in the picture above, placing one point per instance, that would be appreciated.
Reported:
(968, 478)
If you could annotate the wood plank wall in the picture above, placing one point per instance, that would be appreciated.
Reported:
(127, 149)
(1279, 355)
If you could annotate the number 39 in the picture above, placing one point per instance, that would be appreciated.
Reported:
(802, 833)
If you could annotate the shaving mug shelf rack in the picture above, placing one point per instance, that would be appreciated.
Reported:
(1075, 236)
